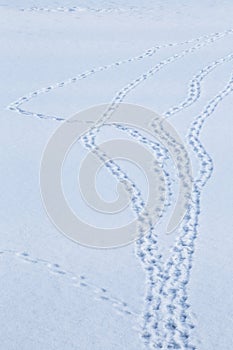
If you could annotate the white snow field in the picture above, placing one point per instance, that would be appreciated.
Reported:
(163, 291)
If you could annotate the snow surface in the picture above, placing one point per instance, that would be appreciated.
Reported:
(56, 294)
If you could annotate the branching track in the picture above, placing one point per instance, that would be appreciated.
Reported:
(166, 321)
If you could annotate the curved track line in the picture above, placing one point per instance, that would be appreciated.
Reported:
(80, 10)
(173, 286)
(80, 281)
(157, 282)
(184, 249)
(118, 99)
(16, 105)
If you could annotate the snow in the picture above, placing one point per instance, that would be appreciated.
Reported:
(55, 293)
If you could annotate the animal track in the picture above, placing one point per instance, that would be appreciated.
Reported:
(177, 270)
(166, 320)
(15, 106)
(154, 337)
(81, 281)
